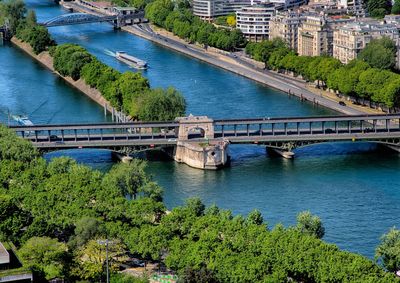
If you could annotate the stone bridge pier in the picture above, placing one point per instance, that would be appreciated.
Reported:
(196, 145)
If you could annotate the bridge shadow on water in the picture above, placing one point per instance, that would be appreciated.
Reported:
(240, 154)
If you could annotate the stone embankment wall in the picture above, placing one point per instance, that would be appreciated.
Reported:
(47, 61)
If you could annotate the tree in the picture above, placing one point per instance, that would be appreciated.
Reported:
(255, 217)
(396, 7)
(91, 258)
(379, 53)
(160, 105)
(389, 250)
(231, 20)
(378, 8)
(129, 178)
(45, 254)
(310, 224)
(31, 19)
(86, 229)
(14, 11)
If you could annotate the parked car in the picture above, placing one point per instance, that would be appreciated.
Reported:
(342, 103)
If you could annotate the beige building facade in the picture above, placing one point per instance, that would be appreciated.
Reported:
(285, 25)
(350, 39)
(315, 35)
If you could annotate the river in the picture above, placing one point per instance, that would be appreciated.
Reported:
(352, 187)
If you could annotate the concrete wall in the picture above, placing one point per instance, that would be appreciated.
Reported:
(200, 156)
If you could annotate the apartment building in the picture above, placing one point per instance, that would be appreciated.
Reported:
(350, 39)
(210, 9)
(315, 34)
(254, 21)
(285, 25)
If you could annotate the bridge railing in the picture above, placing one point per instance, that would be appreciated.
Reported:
(307, 126)
(97, 132)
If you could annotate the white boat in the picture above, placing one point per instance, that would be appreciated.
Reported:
(130, 60)
(22, 120)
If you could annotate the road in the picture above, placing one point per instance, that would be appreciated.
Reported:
(238, 65)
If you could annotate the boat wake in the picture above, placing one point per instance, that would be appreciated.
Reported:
(109, 53)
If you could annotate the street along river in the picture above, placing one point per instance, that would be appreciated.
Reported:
(352, 187)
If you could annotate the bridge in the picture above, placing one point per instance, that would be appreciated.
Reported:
(202, 134)
(84, 18)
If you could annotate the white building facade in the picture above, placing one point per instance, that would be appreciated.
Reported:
(253, 21)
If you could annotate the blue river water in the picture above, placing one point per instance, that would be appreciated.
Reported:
(354, 188)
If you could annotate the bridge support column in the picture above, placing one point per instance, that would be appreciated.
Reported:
(202, 155)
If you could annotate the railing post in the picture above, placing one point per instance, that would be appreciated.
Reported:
(247, 127)
(88, 134)
(310, 128)
(260, 129)
(223, 133)
(336, 128)
(76, 138)
(101, 134)
(36, 136)
(323, 127)
(273, 129)
(374, 125)
(348, 127)
(49, 134)
(234, 130)
(285, 128)
(388, 125)
(362, 126)
(62, 135)
(298, 128)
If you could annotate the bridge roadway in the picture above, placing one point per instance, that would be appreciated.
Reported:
(84, 18)
(280, 133)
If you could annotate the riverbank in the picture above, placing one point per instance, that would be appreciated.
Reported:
(46, 60)
(239, 65)
(291, 86)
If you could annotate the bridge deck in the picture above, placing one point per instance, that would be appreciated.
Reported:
(269, 131)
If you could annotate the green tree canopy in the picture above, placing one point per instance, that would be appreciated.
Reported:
(310, 224)
(389, 250)
(380, 53)
(45, 254)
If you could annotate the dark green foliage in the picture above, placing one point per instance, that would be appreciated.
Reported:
(69, 60)
(310, 224)
(70, 203)
(37, 36)
(181, 21)
(160, 105)
(396, 7)
(131, 92)
(202, 275)
(380, 53)
(389, 250)
(357, 79)
(13, 12)
(378, 8)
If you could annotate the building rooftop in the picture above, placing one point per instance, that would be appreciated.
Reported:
(368, 26)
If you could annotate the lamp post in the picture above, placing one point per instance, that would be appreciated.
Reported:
(102, 242)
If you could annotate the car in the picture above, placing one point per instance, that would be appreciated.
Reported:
(136, 263)
(341, 103)
(53, 137)
(329, 131)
